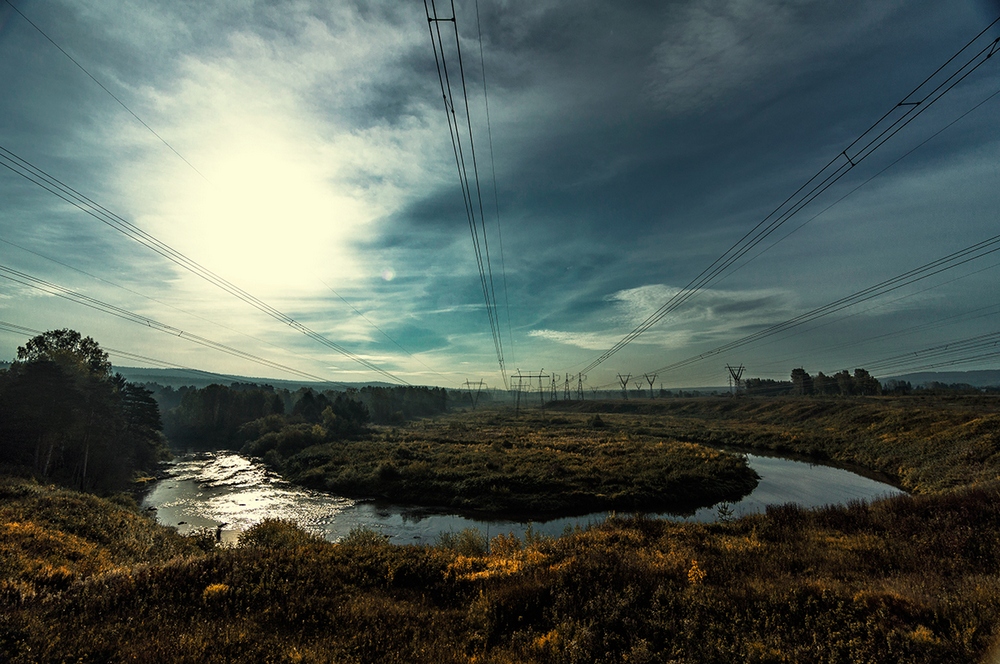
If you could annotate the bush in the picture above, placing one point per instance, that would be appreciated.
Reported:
(276, 534)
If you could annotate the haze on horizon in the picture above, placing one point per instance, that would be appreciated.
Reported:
(301, 152)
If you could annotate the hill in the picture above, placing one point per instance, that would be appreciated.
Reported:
(982, 378)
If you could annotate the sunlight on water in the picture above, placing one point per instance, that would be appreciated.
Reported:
(208, 490)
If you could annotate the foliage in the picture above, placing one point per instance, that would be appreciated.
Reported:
(923, 444)
(67, 418)
(490, 462)
(914, 579)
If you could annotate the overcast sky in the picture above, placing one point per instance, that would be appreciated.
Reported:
(301, 152)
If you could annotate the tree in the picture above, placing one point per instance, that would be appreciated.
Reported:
(65, 416)
(802, 381)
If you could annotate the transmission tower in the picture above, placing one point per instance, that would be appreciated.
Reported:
(638, 387)
(474, 397)
(525, 380)
(624, 381)
(566, 389)
(554, 391)
(735, 379)
(579, 386)
(650, 378)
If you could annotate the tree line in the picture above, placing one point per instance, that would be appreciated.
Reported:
(843, 383)
(66, 418)
(215, 416)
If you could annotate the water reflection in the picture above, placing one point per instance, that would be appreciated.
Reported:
(209, 489)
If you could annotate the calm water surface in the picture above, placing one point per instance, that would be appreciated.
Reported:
(209, 489)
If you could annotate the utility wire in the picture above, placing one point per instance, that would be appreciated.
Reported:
(913, 105)
(147, 297)
(111, 94)
(114, 352)
(381, 331)
(496, 195)
(951, 261)
(481, 249)
(50, 288)
(54, 186)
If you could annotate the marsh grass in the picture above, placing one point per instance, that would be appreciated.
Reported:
(529, 467)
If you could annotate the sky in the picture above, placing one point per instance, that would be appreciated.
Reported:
(301, 152)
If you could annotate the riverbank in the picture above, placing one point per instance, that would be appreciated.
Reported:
(491, 463)
(923, 444)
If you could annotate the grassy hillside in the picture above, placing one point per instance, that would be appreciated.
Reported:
(908, 579)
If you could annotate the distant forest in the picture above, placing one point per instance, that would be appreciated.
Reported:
(220, 415)
(65, 417)
(860, 383)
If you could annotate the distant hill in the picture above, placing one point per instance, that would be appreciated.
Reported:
(984, 378)
(180, 377)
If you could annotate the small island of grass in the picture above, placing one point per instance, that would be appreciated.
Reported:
(530, 467)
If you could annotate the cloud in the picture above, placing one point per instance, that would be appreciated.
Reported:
(713, 51)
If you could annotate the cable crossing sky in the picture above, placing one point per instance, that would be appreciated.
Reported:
(957, 68)
(471, 199)
(54, 186)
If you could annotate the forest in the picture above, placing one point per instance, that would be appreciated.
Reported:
(66, 418)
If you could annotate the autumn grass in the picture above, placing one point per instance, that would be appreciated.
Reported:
(914, 579)
(527, 467)
(924, 444)
(911, 579)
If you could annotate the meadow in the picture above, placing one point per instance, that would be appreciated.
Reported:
(915, 578)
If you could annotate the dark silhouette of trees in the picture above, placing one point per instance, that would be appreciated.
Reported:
(802, 381)
(64, 416)
(843, 383)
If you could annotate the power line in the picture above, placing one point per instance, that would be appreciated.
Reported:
(114, 352)
(951, 261)
(25, 279)
(143, 295)
(913, 105)
(496, 195)
(455, 133)
(383, 332)
(111, 94)
(59, 189)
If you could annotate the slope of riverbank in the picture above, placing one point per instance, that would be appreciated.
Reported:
(925, 444)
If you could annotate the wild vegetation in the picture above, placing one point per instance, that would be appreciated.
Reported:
(910, 579)
(66, 418)
(924, 444)
(526, 467)
(915, 578)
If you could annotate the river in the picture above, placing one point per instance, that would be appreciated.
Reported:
(208, 489)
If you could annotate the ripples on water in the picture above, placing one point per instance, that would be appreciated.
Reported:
(209, 489)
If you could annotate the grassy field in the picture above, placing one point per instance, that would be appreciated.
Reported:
(908, 579)
(528, 467)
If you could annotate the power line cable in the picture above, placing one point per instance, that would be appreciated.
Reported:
(50, 288)
(951, 261)
(876, 135)
(381, 331)
(496, 195)
(59, 189)
(455, 133)
(114, 352)
(151, 299)
(101, 85)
